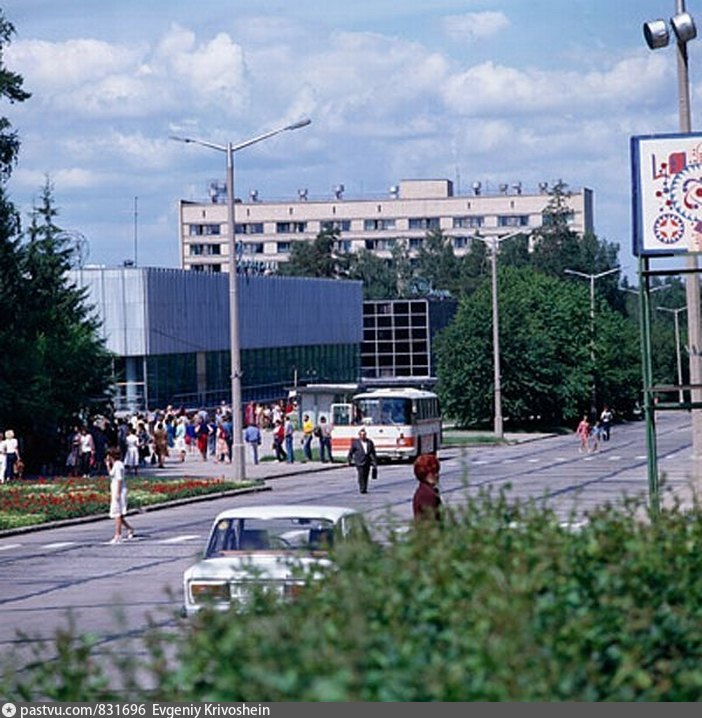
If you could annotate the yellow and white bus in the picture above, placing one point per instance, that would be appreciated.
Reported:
(403, 423)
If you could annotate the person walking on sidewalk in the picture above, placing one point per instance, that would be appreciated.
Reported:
(324, 434)
(252, 436)
(307, 434)
(289, 431)
(279, 440)
(362, 455)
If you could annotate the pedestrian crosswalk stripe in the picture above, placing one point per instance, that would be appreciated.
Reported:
(181, 539)
(60, 544)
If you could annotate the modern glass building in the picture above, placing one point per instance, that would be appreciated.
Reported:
(169, 332)
(398, 339)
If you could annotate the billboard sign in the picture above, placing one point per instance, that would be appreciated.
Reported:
(667, 194)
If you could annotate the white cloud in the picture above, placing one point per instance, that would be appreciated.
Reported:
(493, 89)
(474, 25)
(49, 68)
(93, 79)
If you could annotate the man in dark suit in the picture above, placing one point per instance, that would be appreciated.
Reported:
(362, 456)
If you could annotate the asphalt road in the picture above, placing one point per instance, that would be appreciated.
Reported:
(113, 591)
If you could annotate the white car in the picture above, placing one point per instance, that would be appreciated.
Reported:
(269, 547)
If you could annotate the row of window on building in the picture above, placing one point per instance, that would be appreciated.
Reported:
(369, 225)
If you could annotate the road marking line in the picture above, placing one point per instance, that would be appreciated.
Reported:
(534, 461)
(60, 544)
(181, 539)
(7, 547)
(615, 458)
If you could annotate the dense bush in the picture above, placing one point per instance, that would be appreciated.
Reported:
(501, 604)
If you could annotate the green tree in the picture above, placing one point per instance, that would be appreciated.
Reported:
(10, 89)
(556, 247)
(378, 277)
(317, 258)
(11, 253)
(437, 264)
(66, 369)
(544, 352)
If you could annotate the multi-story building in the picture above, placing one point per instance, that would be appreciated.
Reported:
(266, 231)
(169, 333)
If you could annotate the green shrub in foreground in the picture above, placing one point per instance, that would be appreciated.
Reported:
(502, 603)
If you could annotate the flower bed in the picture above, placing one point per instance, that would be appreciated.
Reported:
(26, 503)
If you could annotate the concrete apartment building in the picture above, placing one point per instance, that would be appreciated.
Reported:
(266, 230)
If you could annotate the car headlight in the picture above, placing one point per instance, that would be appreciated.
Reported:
(210, 591)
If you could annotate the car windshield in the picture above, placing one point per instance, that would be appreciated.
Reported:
(277, 534)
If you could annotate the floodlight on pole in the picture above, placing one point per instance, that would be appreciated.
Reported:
(235, 348)
(657, 36)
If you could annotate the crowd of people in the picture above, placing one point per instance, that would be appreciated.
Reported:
(147, 438)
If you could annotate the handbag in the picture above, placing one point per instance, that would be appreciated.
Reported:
(374, 472)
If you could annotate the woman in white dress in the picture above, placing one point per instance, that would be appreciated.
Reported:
(180, 431)
(3, 458)
(11, 450)
(131, 455)
(118, 496)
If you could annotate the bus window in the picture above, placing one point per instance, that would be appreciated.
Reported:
(397, 411)
(341, 414)
(367, 412)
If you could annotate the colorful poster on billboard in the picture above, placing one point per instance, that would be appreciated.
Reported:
(667, 194)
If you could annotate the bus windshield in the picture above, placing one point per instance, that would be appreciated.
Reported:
(383, 411)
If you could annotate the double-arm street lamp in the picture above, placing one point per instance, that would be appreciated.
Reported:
(493, 243)
(592, 278)
(235, 349)
(676, 313)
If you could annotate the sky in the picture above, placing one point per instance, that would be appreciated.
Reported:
(469, 90)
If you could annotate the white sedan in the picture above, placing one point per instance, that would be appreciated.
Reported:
(270, 547)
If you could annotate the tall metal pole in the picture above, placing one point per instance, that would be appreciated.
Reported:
(647, 371)
(593, 381)
(498, 425)
(678, 357)
(238, 461)
(692, 281)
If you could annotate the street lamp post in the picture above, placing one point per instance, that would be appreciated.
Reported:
(493, 243)
(657, 36)
(592, 278)
(676, 313)
(235, 349)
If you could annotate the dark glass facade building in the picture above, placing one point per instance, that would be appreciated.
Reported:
(169, 332)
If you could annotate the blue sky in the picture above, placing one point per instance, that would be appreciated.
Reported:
(471, 90)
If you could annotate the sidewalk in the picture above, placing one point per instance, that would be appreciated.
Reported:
(264, 470)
